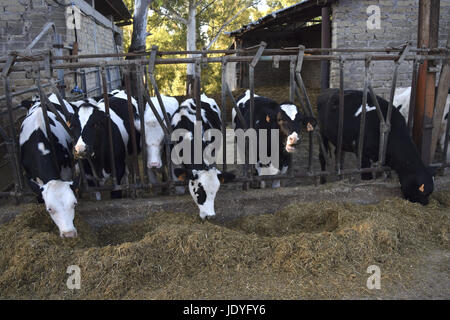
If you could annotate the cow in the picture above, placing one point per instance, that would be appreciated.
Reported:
(49, 174)
(401, 101)
(270, 115)
(204, 179)
(416, 180)
(90, 127)
(154, 133)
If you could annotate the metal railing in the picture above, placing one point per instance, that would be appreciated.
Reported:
(44, 61)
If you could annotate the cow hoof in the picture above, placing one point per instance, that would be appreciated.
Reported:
(276, 184)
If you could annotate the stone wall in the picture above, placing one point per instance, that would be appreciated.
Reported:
(398, 24)
(22, 20)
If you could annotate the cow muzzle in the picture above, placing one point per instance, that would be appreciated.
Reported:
(291, 141)
(80, 151)
(154, 165)
(69, 234)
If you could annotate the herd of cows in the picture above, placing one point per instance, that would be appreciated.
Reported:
(47, 157)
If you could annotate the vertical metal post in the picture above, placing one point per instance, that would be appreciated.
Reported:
(362, 124)
(110, 139)
(325, 43)
(341, 115)
(412, 101)
(224, 113)
(141, 106)
(135, 164)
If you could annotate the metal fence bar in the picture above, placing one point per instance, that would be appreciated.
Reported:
(338, 163)
(109, 124)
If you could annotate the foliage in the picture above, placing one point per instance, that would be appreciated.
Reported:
(169, 33)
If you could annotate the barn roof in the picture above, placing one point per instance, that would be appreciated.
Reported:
(302, 10)
(115, 8)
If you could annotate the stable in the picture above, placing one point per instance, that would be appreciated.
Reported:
(335, 24)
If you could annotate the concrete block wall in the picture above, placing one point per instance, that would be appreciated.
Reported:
(21, 21)
(398, 24)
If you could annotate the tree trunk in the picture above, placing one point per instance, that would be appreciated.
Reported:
(139, 36)
(191, 45)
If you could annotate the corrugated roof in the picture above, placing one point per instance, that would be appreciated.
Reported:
(293, 9)
(115, 8)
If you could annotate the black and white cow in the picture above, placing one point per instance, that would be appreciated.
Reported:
(154, 133)
(270, 115)
(50, 181)
(401, 101)
(204, 178)
(416, 179)
(92, 140)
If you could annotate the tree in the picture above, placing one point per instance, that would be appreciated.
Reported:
(188, 14)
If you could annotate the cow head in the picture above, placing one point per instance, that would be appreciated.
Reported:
(88, 126)
(290, 122)
(154, 140)
(417, 187)
(60, 202)
(203, 185)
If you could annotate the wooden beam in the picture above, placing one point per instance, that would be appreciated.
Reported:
(427, 37)
(441, 98)
(325, 43)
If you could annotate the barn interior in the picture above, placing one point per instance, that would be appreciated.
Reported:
(306, 23)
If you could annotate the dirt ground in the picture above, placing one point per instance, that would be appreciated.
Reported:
(263, 257)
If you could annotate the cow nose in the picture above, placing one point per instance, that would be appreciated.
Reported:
(69, 234)
(79, 148)
(293, 138)
(154, 165)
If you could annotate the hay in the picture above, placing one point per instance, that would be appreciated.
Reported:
(306, 250)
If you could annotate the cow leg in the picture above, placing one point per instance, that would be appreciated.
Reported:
(277, 183)
(178, 189)
(323, 162)
(365, 163)
(120, 172)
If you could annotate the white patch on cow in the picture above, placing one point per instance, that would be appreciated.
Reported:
(266, 171)
(54, 99)
(35, 121)
(81, 102)
(118, 122)
(290, 110)
(83, 114)
(402, 97)
(154, 134)
(368, 109)
(240, 104)
(60, 202)
(211, 102)
(123, 95)
(211, 184)
(41, 148)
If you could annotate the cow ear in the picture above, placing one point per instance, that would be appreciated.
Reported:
(310, 123)
(74, 185)
(225, 177)
(27, 104)
(184, 174)
(399, 107)
(36, 185)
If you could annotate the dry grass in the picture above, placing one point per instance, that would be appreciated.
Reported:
(306, 250)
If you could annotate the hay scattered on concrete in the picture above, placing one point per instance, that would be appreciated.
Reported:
(306, 250)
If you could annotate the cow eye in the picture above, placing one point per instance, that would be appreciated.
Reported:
(49, 210)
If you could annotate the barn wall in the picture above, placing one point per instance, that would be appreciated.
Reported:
(21, 22)
(266, 74)
(398, 25)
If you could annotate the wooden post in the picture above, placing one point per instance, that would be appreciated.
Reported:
(325, 43)
(441, 98)
(427, 37)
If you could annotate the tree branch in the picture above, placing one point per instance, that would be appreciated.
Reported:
(227, 23)
(171, 14)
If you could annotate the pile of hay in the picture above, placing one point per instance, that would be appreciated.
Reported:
(306, 250)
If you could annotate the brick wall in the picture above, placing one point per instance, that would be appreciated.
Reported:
(21, 21)
(398, 25)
